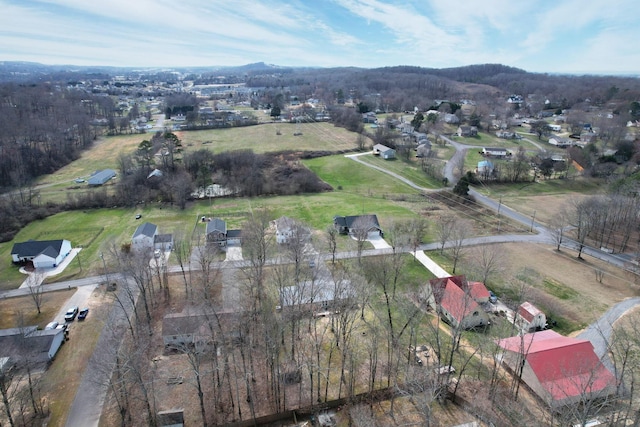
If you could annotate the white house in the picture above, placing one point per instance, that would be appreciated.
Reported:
(495, 152)
(43, 253)
(144, 236)
(284, 229)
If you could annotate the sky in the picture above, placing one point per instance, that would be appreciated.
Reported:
(561, 36)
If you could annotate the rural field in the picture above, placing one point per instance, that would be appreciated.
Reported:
(557, 282)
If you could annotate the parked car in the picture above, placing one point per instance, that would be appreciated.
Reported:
(157, 253)
(82, 314)
(492, 297)
(71, 314)
(51, 325)
(138, 216)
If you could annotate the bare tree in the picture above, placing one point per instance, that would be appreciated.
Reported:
(360, 230)
(557, 226)
(297, 245)
(460, 232)
(332, 243)
(7, 389)
(36, 292)
(182, 250)
(417, 227)
(488, 260)
(445, 224)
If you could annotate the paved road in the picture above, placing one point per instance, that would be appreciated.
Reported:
(599, 332)
(388, 172)
(87, 406)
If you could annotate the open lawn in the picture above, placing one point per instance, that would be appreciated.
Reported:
(410, 170)
(261, 139)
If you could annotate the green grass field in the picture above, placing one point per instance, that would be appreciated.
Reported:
(260, 139)
(410, 170)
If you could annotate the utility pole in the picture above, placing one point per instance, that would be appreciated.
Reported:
(533, 219)
(104, 265)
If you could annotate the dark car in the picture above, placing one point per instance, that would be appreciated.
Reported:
(71, 314)
(492, 297)
(82, 314)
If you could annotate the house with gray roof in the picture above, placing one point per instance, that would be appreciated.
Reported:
(313, 296)
(349, 224)
(216, 232)
(101, 177)
(144, 236)
(42, 253)
(384, 151)
(30, 344)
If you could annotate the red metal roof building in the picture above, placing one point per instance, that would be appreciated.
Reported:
(560, 370)
(530, 317)
(454, 299)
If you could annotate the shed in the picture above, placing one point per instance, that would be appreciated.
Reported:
(384, 151)
(101, 177)
(530, 317)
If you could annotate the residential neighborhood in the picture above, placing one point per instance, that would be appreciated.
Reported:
(269, 245)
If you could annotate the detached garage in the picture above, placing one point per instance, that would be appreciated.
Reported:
(43, 253)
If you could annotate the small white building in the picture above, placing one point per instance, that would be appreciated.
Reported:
(530, 318)
(384, 151)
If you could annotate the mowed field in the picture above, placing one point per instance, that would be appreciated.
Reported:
(261, 139)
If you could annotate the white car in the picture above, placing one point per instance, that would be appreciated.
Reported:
(157, 253)
(51, 325)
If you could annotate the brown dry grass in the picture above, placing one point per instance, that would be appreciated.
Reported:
(586, 298)
(13, 309)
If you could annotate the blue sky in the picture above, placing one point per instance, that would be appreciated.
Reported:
(562, 36)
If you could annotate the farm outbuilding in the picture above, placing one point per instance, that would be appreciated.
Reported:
(560, 370)
(101, 177)
(384, 151)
